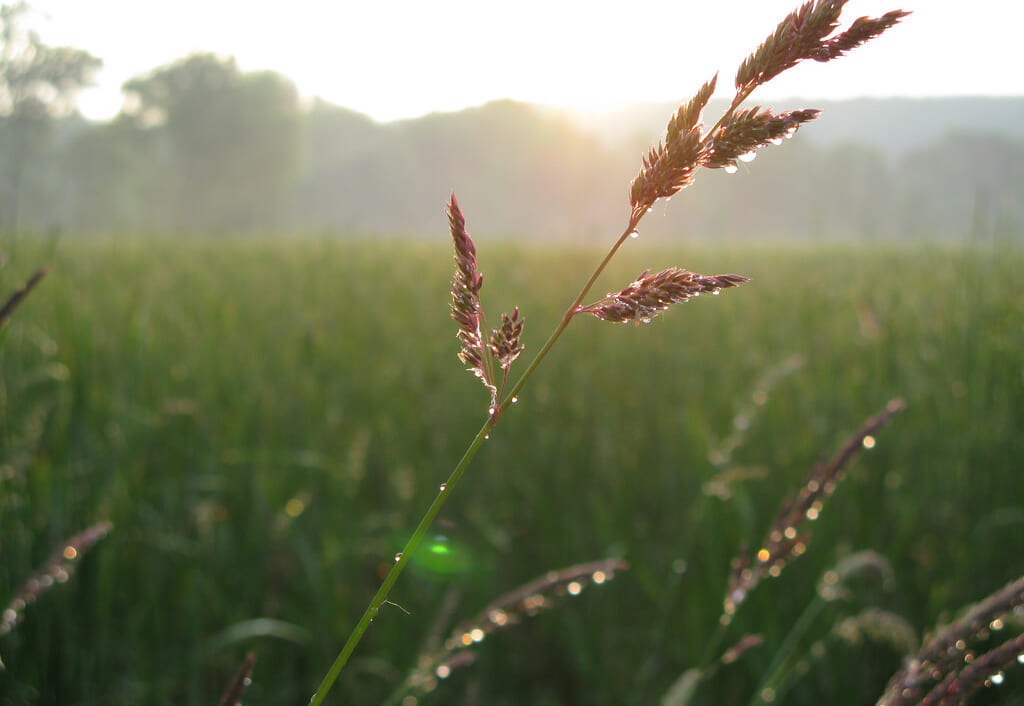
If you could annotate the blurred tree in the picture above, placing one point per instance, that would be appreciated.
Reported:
(37, 83)
(229, 141)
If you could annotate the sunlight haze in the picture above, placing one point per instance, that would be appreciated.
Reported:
(407, 58)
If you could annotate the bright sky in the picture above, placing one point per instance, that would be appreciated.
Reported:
(394, 59)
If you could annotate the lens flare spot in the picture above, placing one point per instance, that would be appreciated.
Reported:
(294, 507)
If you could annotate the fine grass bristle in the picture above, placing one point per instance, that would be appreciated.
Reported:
(527, 601)
(55, 571)
(949, 658)
(784, 541)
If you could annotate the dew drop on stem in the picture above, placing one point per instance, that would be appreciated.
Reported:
(398, 556)
(443, 487)
(634, 234)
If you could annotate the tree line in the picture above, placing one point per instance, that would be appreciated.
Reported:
(201, 146)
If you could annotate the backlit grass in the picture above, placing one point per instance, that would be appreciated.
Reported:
(264, 422)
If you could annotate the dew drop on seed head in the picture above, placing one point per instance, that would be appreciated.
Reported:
(486, 437)
(776, 140)
(491, 410)
(747, 156)
(716, 291)
(514, 400)
(634, 234)
(731, 168)
(997, 678)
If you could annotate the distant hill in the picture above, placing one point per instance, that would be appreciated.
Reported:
(892, 169)
(895, 126)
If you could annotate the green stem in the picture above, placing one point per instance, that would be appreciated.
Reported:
(402, 560)
(435, 507)
(777, 670)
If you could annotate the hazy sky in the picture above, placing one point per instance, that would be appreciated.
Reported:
(402, 58)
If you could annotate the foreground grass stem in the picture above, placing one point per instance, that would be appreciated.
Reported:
(446, 489)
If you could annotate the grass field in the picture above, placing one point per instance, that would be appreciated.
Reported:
(264, 421)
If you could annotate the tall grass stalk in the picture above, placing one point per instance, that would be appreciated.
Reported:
(809, 32)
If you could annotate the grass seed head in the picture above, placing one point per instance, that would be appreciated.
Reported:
(803, 34)
(504, 343)
(650, 295)
(749, 130)
(670, 166)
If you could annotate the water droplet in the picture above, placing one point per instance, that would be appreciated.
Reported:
(790, 132)
(514, 400)
(443, 487)
(997, 678)
(747, 156)
(398, 556)
(486, 437)
(716, 291)
(776, 140)
(731, 168)
(634, 234)
(1020, 658)
(491, 411)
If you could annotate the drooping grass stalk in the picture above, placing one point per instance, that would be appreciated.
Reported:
(438, 660)
(667, 169)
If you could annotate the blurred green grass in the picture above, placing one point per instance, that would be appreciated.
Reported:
(264, 421)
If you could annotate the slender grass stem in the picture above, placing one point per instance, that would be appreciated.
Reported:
(402, 559)
(782, 663)
(423, 527)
